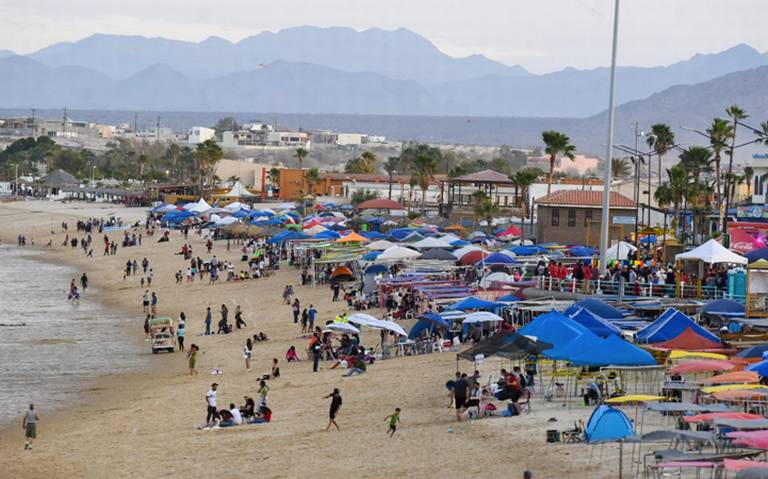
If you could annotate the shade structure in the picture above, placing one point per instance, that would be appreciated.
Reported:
(599, 308)
(733, 377)
(634, 398)
(724, 307)
(482, 317)
(392, 326)
(620, 251)
(316, 229)
(471, 303)
(438, 254)
(459, 253)
(702, 366)
(612, 351)
(608, 424)
(431, 242)
(327, 235)
(669, 325)
(398, 253)
(499, 258)
(473, 257)
(511, 232)
(689, 340)
(164, 208)
(353, 238)
(741, 395)
(342, 328)
(287, 236)
(379, 204)
(454, 227)
(712, 252)
(363, 319)
(413, 237)
(555, 328)
(225, 221)
(342, 273)
(712, 416)
(733, 387)
(487, 346)
(753, 352)
(498, 277)
(756, 255)
(370, 256)
(529, 250)
(379, 245)
(236, 205)
(200, 206)
(520, 346)
(594, 323)
(238, 191)
(760, 368)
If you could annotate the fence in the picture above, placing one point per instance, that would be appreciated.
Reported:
(632, 290)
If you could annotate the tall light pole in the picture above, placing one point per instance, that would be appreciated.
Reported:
(605, 226)
(391, 172)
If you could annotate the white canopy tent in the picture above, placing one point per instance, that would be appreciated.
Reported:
(619, 252)
(342, 328)
(198, 207)
(235, 206)
(315, 230)
(227, 220)
(482, 317)
(380, 245)
(397, 253)
(712, 252)
(238, 191)
(363, 319)
(431, 242)
(497, 277)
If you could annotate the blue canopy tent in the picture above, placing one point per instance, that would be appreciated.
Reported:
(177, 216)
(756, 255)
(499, 258)
(327, 234)
(398, 234)
(529, 250)
(555, 328)
(427, 322)
(608, 424)
(594, 323)
(473, 303)
(376, 269)
(613, 351)
(373, 235)
(753, 352)
(760, 368)
(670, 325)
(507, 298)
(581, 251)
(724, 307)
(459, 243)
(598, 308)
(371, 255)
(286, 236)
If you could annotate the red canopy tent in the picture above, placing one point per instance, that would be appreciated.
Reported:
(511, 231)
(689, 340)
(380, 204)
(473, 257)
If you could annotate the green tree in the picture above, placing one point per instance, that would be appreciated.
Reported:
(673, 191)
(424, 164)
(313, 178)
(524, 179)
(556, 144)
(228, 123)
(696, 160)
(358, 196)
(736, 114)
(274, 176)
(620, 168)
(749, 174)
(485, 208)
(719, 133)
(661, 140)
(232, 179)
(364, 164)
(300, 154)
(207, 154)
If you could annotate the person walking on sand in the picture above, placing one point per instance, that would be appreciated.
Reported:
(154, 303)
(145, 301)
(210, 400)
(393, 419)
(335, 407)
(248, 353)
(192, 359)
(29, 424)
(239, 318)
(181, 330)
(208, 318)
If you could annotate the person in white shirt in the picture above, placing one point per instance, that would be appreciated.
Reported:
(235, 414)
(210, 399)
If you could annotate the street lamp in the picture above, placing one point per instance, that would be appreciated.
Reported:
(391, 172)
(605, 226)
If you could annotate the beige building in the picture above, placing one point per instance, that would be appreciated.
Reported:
(252, 175)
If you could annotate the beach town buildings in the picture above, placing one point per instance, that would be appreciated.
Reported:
(199, 134)
(580, 164)
(264, 138)
(574, 217)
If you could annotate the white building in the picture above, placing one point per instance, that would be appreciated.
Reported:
(349, 139)
(199, 134)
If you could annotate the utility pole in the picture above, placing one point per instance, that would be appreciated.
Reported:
(157, 129)
(135, 124)
(605, 224)
(34, 125)
(64, 122)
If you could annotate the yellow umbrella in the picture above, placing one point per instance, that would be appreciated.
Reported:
(759, 264)
(635, 398)
(678, 354)
(731, 387)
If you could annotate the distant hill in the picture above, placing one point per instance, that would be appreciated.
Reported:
(399, 54)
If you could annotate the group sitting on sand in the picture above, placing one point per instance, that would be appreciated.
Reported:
(470, 398)
(248, 413)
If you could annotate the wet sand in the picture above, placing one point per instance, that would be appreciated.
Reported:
(142, 424)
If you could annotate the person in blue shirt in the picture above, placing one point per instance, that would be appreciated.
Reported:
(312, 315)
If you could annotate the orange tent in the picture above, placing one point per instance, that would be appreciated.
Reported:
(733, 377)
(342, 273)
(352, 238)
(454, 228)
(740, 395)
(688, 340)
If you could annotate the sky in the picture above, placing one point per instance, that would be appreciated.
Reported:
(541, 35)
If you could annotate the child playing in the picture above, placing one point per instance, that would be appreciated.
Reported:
(393, 419)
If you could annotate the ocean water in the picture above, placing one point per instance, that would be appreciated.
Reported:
(50, 349)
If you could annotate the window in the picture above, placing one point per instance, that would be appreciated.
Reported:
(555, 217)
(587, 217)
(572, 217)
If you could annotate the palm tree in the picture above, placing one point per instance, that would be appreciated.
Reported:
(301, 153)
(696, 160)
(390, 166)
(424, 166)
(718, 133)
(313, 177)
(274, 176)
(749, 173)
(619, 168)
(207, 154)
(524, 179)
(485, 208)
(233, 179)
(661, 140)
(736, 113)
(556, 143)
(673, 191)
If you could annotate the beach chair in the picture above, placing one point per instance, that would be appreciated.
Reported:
(437, 346)
(575, 435)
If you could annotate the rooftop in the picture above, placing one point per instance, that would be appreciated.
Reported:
(376, 178)
(584, 198)
(485, 176)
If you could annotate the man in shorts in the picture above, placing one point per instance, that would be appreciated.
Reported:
(29, 424)
(460, 393)
(210, 399)
(335, 406)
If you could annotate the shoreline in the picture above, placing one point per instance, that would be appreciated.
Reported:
(141, 422)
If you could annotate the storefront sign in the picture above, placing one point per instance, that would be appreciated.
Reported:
(623, 220)
(753, 211)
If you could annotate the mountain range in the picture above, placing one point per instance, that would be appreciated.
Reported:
(340, 70)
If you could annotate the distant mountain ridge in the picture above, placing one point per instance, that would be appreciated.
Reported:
(328, 70)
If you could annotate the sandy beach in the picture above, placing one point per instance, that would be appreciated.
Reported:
(141, 424)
